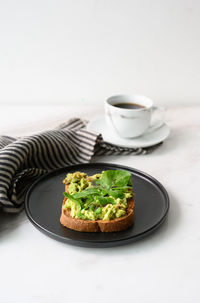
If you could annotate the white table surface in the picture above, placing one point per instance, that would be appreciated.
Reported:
(163, 267)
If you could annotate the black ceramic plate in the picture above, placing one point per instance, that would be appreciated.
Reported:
(44, 200)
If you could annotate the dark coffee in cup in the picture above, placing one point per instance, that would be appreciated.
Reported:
(129, 105)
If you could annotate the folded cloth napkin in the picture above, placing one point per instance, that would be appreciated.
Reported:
(24, 159)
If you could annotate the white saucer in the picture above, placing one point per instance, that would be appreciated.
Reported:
(98, 125)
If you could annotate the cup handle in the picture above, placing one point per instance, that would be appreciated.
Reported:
(159, 123)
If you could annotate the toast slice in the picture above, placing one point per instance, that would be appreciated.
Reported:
(117, 224)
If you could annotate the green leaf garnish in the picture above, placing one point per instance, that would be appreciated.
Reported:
(70, 197)
(85, 193)
(106, 200)
(111, 178)
(98, 211)
(116, 194)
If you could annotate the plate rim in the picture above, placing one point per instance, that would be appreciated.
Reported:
(123, 145)
(88, 243)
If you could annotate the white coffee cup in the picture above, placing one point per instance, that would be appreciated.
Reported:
(132, 122)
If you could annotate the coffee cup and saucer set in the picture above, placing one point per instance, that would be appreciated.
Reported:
(131, 121)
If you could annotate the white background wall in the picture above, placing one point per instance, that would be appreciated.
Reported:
(62, 51)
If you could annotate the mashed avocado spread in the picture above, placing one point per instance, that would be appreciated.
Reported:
(99, 197)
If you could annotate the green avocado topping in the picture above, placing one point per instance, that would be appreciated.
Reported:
(99, 197)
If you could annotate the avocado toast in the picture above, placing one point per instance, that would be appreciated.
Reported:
(102, 202)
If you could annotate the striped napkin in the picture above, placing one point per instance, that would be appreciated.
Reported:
(24, 159)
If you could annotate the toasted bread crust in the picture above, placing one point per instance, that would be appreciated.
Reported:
(117, 224)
